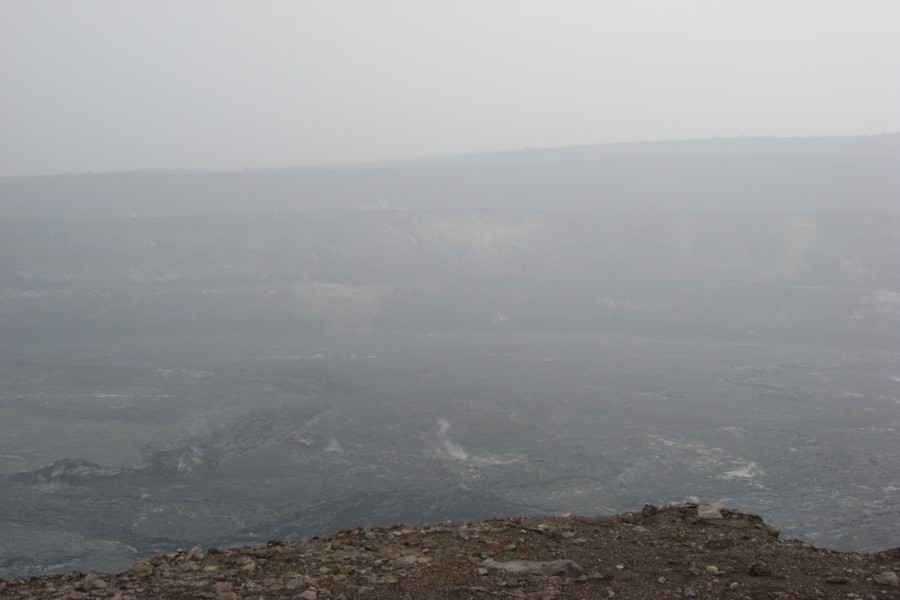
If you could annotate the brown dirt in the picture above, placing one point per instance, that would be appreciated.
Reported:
(667, 552)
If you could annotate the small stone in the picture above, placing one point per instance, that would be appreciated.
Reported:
(309, 594)
(482, 571)
(91, 577)
(296, 582)
(565, 568)
(544, 594)
(411, 560)
(712, 570)
(649, 510)
(249, 566)
(837, 580)
(639, 529)
(195, 553)
(661, 580)
(734, 585)
(142, 567)
(710, 511)
(886, 578)
(759, 570)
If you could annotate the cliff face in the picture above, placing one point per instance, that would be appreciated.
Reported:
(677, 551)
(809, 276)
(743, 237)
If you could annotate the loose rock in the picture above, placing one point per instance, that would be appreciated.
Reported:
(567, 568)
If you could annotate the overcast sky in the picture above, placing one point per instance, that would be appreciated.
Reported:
(211, 84)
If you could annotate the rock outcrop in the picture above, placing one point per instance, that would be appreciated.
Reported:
(676, 551)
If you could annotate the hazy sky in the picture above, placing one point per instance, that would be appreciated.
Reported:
(211, 84)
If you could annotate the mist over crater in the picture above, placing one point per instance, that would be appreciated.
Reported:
(222, 358)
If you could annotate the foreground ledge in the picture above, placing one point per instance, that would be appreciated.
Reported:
(674, 551)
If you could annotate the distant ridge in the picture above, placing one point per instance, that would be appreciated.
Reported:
(883, 144)
(860, 174)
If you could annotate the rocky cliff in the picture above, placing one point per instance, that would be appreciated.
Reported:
(728, 274)
(676, 551)
(731, 238)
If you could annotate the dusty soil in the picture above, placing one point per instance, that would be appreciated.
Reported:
(683, 551)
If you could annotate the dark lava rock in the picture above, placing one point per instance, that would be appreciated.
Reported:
(72, 471)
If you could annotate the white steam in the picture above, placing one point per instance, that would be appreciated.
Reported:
(450, 448)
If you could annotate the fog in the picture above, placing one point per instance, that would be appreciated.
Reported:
(455, 283)
(110, 86)
(221, 358)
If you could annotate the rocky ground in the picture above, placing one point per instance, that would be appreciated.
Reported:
(680, 551)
